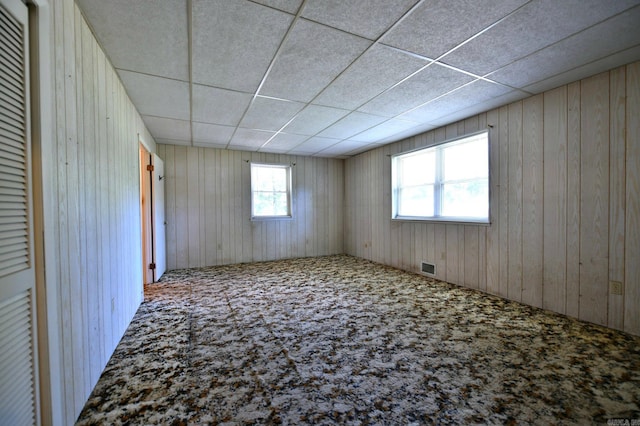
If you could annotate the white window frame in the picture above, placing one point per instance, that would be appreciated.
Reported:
(287, 168)
(439, 183)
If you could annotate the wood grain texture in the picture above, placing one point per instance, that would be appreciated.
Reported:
(594, 203)
(97, 212)
(632, 214)
(617, 192)
(573, 200)
(555, 199)
(212, 213)
(556, 236)
(532, 198)
(514, 280)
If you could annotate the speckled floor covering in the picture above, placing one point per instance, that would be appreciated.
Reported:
(339, 340)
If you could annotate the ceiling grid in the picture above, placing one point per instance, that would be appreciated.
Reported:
(334, 78)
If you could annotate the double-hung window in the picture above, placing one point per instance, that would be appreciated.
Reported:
(270, 191)
(448, 182)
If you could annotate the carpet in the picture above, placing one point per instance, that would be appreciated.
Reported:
(341, 340)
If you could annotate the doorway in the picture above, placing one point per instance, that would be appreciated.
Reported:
(152, 216)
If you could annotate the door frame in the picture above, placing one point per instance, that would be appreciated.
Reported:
(44, 184)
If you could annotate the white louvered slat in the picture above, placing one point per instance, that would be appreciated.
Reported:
(18, 401)
(16, 355)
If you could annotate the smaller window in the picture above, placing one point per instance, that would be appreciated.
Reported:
(270, 191)
(447, 182)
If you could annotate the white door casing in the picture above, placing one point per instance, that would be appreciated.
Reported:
(159, 242)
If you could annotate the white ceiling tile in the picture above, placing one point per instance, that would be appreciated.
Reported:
(157, 96)
(352, 124)
(620, 33)
(284, 142)
(475, 93)
(173, 142)
(168, 128)
(234, 42)
(428, 84)
(536, 25)
(343, 148)
(205, 133)
(316, 144)
(487, 105)
(366, 18)
(625, 57)
(384, 130)
(248, 138)
(313, 119)
(378, 69)
(148, 36)
(270, 114)
(290, 6)
(436, 26)
(311, 58)
(218, 106)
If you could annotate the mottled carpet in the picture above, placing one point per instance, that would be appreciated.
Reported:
(340, 340)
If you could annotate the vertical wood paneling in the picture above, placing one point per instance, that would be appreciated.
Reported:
(493, 232)
(573, 200)
(564, 204)
(514, 285)
(632, 214)
(617, 192)
(97, 211)
(594, 208)
(503, 205)
(210, 208)
(532, 196)
(555, 199)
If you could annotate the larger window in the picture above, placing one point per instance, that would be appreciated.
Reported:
(270, 191)
(448, 182)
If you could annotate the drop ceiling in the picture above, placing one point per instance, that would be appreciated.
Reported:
(334, 78)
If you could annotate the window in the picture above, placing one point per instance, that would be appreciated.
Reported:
(448, 182)
(270, 191)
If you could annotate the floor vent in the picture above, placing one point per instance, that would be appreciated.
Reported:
(428, 268)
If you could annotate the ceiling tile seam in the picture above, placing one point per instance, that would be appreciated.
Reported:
(575, 68)
(480, 77)
(146, 74)
(371, 46)
(271, 65)
(484, 30)
(558, 42)
(164, 117)
(190, 64)
(271, 7)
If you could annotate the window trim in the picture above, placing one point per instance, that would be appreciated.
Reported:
(438, 183)
(287, 168)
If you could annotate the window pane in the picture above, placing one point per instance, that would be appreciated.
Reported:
(466, 160)
(270, 188)
(466, 199)
(418, 169)
(416, 201)
(269, 179)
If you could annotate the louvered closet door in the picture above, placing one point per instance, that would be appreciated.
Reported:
(18, 402)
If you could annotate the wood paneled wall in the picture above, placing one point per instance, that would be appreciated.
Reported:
(97, 211)
(565, 215)
(208, 208)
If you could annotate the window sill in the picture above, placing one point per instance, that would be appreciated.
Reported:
(268, 218)
(442, 220)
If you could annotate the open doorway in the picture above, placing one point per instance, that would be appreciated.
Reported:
(152, 216)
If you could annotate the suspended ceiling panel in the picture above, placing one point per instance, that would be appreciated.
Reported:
(334, 78)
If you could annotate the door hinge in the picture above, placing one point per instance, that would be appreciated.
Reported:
(150, 167)
(152, 266)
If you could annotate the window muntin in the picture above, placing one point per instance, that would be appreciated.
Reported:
(270, 191)
(448, 182)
